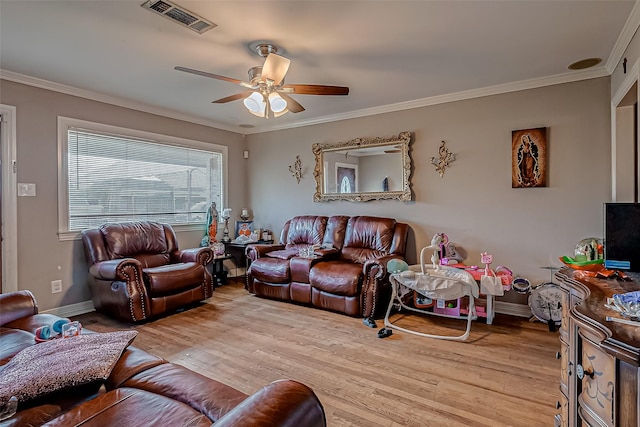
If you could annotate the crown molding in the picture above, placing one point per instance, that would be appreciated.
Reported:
(568, 77)
(627, 33)
(109, 99)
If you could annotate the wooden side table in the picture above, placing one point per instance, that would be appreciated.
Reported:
(240, 250)
(218, 272)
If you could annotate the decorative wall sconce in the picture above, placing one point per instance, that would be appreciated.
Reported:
(296, 169)
(444, 159)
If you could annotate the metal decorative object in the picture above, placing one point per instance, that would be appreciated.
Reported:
(226, 214)
(444, 159)
(296, 169)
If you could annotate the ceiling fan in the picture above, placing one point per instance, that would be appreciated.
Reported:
(267, 93)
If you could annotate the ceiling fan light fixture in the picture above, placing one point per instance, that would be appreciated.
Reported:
(255, 104)
(281, 113)
(277, 103)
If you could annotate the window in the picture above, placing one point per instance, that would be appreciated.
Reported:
(110, 174)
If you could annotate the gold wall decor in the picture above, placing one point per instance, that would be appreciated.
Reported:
(444, 159)
(296, 169)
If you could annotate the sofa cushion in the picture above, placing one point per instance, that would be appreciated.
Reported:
(61, 363)
(126, 239)
(153, 260)
(284, 253)
(13, 341)
(192, 388)
(132, 362)
(131, 407)
(367, 238)
(271, 270)
(336, 277)
(173, 278)
(306, 230)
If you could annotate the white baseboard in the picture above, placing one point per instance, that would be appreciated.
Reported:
(72, 309)
(508, 308)
(513, 309)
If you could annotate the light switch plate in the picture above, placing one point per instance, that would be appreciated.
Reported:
(26, 189)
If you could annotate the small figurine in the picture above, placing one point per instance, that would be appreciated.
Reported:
(486, 259)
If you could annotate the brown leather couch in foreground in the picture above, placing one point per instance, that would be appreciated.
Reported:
(347, 275)
(145, 390)
(137, 271)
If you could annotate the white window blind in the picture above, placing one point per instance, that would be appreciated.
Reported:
(114, 178)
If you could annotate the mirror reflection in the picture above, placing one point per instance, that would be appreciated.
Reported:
(363, 169)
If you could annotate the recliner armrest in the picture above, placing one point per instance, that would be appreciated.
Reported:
(202, 255)
(281, 403)
(255, 251)
(380, 265)
(15, 305)
(326, 254)
(114, 269)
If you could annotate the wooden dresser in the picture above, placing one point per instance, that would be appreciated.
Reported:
(599, 376)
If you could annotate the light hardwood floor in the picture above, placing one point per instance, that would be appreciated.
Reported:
(506, 374)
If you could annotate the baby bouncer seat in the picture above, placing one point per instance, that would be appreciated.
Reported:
(437, 282)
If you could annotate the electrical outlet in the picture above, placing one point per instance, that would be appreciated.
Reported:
(56, 286)
(26, 189)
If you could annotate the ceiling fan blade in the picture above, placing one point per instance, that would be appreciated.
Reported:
(292, 104)
(275, 67)
(211, 75)
(317, 89)
(230, 98)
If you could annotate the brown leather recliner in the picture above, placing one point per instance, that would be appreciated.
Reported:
(347, 275)
(136, 270)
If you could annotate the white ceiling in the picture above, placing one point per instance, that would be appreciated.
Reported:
(392, 54)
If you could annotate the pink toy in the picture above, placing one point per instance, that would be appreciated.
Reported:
(486, 259)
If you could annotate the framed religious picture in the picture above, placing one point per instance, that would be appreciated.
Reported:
(529, 158)
(244, 228)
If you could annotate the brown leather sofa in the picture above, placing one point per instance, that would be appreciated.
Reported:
(145, 390)
(137, 271)
(348, 273)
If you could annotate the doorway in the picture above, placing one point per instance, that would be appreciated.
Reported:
(625, 164)
(8, 200)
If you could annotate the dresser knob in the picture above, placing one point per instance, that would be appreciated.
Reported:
(558, 405)
(581, 372)
(558, 355)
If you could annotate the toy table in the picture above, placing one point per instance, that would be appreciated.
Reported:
(489, 312)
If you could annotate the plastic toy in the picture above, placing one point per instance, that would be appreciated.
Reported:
(61, 328)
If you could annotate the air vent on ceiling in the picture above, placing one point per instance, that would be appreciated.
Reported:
(179, 14)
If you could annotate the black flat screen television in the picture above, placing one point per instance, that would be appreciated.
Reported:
(622, 236)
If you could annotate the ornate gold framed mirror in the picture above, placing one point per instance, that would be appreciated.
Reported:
(363, 169)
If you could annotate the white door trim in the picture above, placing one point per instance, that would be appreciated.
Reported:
(9, 199)
(627, 83)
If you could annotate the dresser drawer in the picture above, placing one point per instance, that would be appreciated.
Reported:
(564, 367)
(595, 373)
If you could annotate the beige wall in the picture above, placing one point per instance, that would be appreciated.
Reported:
(473, 203)
(41, 256)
